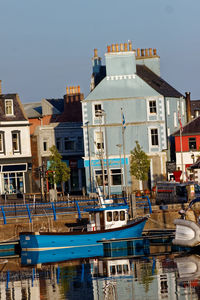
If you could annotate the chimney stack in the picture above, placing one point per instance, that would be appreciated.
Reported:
(95, 53)
(188, 106)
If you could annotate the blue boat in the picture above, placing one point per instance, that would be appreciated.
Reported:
(106, 222)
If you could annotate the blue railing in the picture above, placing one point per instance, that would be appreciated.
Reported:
(54, 209)
(143, 202)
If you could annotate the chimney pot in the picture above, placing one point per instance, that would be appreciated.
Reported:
(117, 47)
(79, 90)
(0, 88)
(146, 52)
(95, 53)
(188, 106)
(73, 90)
(138, 51)
(154, 52)
(108, 49)
(70, 89)
(130, 46)
(150, 51)
(121, 47)
(125, 47)
(142, 52)
(67, 90)
(113, 47)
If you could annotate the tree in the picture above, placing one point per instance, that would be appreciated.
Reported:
(139, 163)
(58, 170)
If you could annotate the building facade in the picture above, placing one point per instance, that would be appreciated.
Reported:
(187, 143)
(58, 122)
(132, 91)
(15, 149)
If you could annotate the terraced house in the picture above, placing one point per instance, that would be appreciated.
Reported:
(128, 86)
(15, 150)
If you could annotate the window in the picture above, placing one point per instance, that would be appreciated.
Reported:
(69, 144)
(2, 144)
(45, 146)
(122, 215)
(152, 107)
(116, 216)
(109, 216)
(99, 140)
(154, 137)
(99, 177)
(116, 176)
(58, 143)
(97, 108)
(192, 143)
(16, 141)
(9, 107)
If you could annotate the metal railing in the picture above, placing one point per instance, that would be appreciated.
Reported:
(54, 209)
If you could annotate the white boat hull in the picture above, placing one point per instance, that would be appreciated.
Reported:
(187, 233)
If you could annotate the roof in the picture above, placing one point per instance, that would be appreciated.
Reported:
(33, 110)
(57, 103)
(195, 106)
(18, 110)
(144, 83)
(156, 82)
(193, 127)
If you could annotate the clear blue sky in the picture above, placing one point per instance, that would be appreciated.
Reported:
(46, 45)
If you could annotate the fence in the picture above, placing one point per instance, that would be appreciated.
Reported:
(54, 209)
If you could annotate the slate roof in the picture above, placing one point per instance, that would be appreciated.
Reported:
(57, 103)
(156, 82)
(33, 110)
(193, 127)
(195, 106)
(18, 110)
(145, 84)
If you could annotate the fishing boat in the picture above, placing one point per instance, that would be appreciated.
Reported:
(187, 232)
(107, 221)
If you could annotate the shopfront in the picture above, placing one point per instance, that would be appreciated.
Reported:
(13, 178)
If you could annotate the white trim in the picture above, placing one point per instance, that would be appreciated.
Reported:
(175, 119)
(168, 108)
(9, 100)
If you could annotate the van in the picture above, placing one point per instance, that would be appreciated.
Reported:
(175, 192)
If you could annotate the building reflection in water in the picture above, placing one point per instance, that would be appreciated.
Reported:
(161, 277)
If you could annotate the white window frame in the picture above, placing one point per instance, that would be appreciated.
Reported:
(6, 102)
(157, 145)
(2, 142)
(168, 108)
(153, 113)
(17, 140)
(97, 150)
(99, 118)
(45, 141)
(175, 119)
(113, 174)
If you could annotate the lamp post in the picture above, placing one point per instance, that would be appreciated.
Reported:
(90, 171)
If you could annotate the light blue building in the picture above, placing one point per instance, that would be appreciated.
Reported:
(131, 85)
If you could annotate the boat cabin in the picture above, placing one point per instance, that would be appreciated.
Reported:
(107, 218)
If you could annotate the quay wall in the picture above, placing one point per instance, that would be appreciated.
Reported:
(161, 218)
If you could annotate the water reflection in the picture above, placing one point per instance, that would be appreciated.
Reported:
(148, 276)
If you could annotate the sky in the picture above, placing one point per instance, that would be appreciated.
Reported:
(46, 45)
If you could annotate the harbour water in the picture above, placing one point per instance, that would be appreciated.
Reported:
(128, 270)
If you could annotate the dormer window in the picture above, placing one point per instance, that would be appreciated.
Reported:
(9, 107)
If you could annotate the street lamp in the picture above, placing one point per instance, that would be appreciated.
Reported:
(90, 172)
